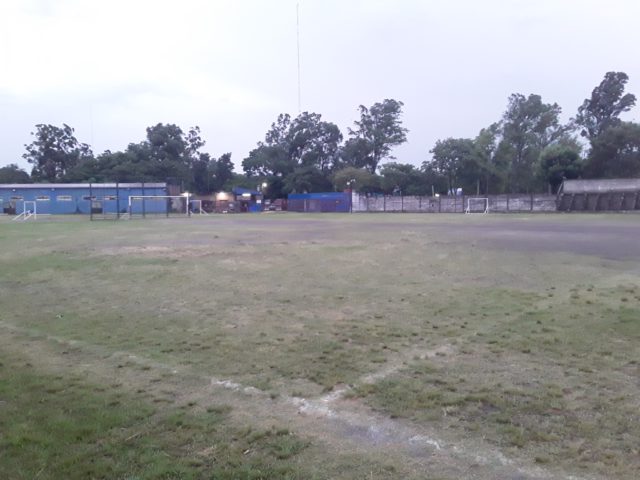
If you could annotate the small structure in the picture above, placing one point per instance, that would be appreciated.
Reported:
(80, 198)
(246, 200)
(618, 194)
(319, 202)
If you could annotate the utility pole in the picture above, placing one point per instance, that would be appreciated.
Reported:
(298, 49)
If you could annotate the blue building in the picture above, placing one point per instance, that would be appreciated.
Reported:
(83, 198)
(319, 202)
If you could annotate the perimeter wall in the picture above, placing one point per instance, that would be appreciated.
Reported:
(454, 204)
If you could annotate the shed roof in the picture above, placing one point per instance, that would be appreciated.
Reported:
(240, 191)
(80, 185)
(602, 185)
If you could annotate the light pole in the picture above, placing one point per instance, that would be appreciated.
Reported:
(350, 184)
(262, 188)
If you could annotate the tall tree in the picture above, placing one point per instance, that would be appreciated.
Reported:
(603, 109)
(222, 171)
(305, 148)
(492, 165)
(313, 142)
(451, 157)
(528, 126)
(54, 151)
(380, 127)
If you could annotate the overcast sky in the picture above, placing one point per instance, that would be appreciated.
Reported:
(111, 68)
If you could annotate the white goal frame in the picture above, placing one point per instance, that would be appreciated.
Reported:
(27, 214)
(483, 210)
(182, 198)
(197, 207)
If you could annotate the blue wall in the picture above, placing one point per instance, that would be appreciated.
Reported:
(319, 202)
(63, 198)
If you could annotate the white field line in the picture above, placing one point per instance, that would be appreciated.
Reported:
(363, 425)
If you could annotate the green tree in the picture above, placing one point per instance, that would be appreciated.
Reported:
(615, 152)
(454, 159)
(404, 178)
(296, 155)
(312, 142)
(603, 109)
(12, 173)
(306, 179)
(356, 152)
(493, 166)
(558, 162)
(54, 152)
(359, 179)
(378, 131)
(222, 170)
(528, 127)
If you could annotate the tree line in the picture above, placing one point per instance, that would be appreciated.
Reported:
(527, 150)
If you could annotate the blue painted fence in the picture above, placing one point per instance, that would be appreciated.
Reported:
(319, 202)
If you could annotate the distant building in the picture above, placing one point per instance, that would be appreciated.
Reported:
(247, 200)
(319, 202)
(82, 198)
(615, 194)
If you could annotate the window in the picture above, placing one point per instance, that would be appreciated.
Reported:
(42, 198)
(17, 197)
(64, 198)
(109, 197)
(88, 197)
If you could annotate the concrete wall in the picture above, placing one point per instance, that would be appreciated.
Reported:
(599, 202)
(454, 204)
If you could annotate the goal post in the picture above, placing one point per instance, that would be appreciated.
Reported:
(144, 205)
(196, 207)
(477, 205)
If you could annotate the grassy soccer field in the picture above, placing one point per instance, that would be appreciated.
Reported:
(321, 346)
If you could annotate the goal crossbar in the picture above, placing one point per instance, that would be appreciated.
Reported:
(477, 205)
(167, 198)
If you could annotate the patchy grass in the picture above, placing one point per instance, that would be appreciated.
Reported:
(59, 427)
(555, 381)
(541, 338)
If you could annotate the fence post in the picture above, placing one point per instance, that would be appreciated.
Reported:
(507, 202)
(440, 204)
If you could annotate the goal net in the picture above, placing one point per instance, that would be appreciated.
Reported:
(158, 205)
(477, 205)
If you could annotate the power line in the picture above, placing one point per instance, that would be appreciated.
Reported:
(298, 45)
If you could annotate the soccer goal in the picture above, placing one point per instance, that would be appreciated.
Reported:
(196, 207)
(477, 205)
(158, 205)
(29, 210)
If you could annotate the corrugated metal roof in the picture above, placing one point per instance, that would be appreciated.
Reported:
(80, 185)
(602, 185)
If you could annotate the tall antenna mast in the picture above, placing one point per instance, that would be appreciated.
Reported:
(298, 45)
